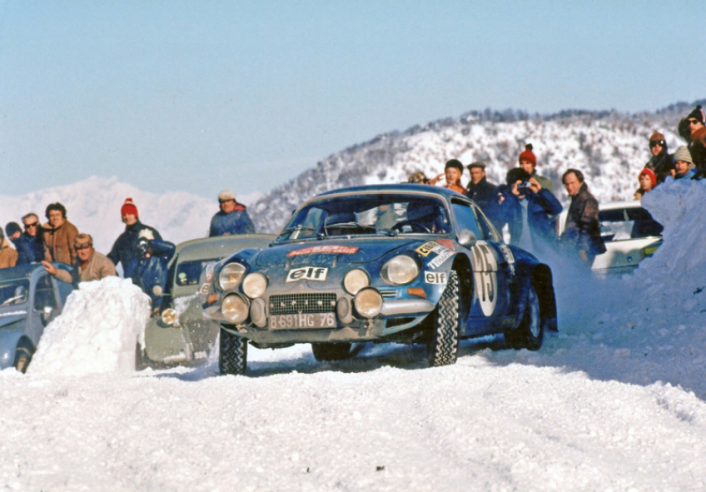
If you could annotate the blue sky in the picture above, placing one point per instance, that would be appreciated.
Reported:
(200, 96)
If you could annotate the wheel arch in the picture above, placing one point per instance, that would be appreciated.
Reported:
(462, 267)
(543, 283)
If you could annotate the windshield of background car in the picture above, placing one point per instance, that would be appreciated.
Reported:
(368, 214)
(14, 292)
(621, 224)
(188, 272)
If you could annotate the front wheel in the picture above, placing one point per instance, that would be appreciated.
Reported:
(233, 353)
(324, 352)
(442, 348)
(530, 333)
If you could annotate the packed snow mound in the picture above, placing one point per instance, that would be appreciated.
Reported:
(96, 332)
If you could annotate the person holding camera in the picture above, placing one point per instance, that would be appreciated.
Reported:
(148, 269)
(528, 209)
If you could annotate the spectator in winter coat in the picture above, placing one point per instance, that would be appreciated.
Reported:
(661, 163)
(692, 130)
(13, 231)
(528, 209)
(30, 244)
(528, 162)
(453, 170)
(90, 265)
(647, 180)
(418, 178)
(582, 232)
(125, 247)
(8, 256)
(684, 165)
(479, 189)
(59, 235)
(148, 269)
(232, 219)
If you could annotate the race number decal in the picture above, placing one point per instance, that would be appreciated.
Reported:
(485, 277)
(438, 278)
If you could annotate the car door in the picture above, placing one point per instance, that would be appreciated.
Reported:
(44, 297)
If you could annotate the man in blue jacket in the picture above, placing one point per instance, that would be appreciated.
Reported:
(125, 247)
(528, 209)
(148, 269)
(232, 218)
(29, 244)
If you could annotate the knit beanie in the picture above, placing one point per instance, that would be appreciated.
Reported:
(698, 114)
(11, 228)
(455, 164)
(528, 155)
(129, 208)
(648, 172)
(683, 154)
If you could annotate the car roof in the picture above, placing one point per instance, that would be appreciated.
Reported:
(399, 187)
(220, 246)
(625, 204)
(26, 271)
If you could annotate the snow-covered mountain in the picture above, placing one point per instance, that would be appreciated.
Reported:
(609, 147)
(93, 205)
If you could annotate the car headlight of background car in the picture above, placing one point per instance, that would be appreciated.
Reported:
(355, 280)
(254, 285)
(230, 276)
(399, 270)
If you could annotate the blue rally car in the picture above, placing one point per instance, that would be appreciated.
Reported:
(386, 263)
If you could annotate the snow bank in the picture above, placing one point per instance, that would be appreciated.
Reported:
(97, 331)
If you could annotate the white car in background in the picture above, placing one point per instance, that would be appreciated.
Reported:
(630, 235)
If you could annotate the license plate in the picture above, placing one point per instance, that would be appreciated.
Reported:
(302, 320)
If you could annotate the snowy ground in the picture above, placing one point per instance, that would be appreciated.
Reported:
(615, 401)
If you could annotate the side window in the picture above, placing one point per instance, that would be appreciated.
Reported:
(44, 294)
(465, 218)
(64, 289)
(487, 230)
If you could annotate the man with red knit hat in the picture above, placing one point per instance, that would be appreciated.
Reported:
(528, 162)
(126, 247)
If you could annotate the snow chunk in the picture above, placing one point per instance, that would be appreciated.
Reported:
(97, 331)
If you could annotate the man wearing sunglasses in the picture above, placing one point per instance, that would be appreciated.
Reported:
(30, 243)
(90, 265)
(660, 163)
(233, 218)
(693, 130)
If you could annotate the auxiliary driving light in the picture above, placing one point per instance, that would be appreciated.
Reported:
(254, 285)
(235, 308)
(368, 302)
(355, 280)
(230, 276)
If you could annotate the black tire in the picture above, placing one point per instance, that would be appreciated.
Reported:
(324, 352)
(23, 355)
(233, 354)
(530, 333)
(442, 347)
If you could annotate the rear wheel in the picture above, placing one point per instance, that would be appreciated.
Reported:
(233, 354)
(324, 352)
(530, 333)
(23, 355)
(442, 348)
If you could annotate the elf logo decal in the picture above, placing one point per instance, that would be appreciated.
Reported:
(318, 274)
(485, 277)
(438, 278)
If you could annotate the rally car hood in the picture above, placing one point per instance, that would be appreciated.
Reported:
(330, 252)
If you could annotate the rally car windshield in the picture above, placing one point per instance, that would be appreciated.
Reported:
(369, 214)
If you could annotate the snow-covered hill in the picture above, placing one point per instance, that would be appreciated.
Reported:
(610, 148)
(93, 205)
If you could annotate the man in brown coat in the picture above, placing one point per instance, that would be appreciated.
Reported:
(8, 255)
(582, 232)
(90, 266)
(59, 235)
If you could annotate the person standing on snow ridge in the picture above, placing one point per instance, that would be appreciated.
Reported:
(59, 235)
(89, 266)
(528, 162)
(148, 268)
(661, 163)
(125, 247)
(479, 189)
(8, 256)
(29, 244)
(453, 170)
(582, 232)
(647, 180)
(684, 165)
(232, 218)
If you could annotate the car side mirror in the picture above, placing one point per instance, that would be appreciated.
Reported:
(46, 313)
(467, 238)
(157, 290)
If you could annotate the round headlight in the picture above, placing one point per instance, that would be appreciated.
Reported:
(230, 276)
(399, 270)
(169, 316)
(355, 280)
(368, 302)
(254, 285)
(235, 308)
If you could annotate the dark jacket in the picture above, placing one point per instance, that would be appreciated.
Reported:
(661, 164)
(697, 149)
(482, 193)
(541, 207)
(31, 249)
(125, 247)
(236, 222)
(147, 273)
(582, 231)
